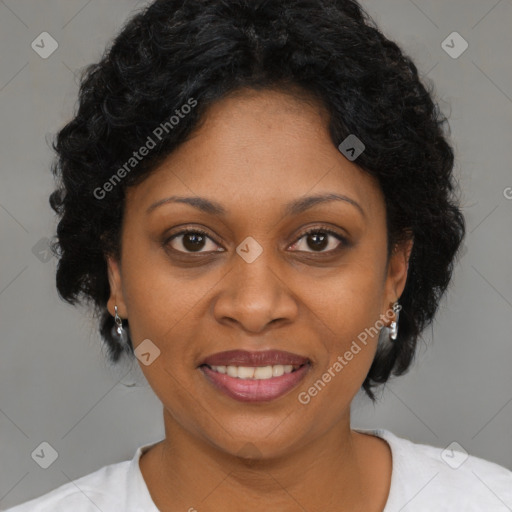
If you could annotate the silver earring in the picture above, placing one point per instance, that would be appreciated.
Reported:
(393, 328)
(117, 331)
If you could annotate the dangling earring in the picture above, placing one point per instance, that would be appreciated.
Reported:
(393, 328)
(117, 331)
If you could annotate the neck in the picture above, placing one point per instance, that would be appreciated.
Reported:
(333, 472)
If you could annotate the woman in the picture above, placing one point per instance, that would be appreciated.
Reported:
(258, 199)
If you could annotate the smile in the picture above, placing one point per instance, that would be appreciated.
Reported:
(255, 384)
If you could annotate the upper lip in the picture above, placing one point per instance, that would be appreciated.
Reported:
(253, 359)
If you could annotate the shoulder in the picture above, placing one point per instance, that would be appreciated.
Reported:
(99, 490)
(449, 477)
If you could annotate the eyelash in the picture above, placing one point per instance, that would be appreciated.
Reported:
(327, 231)
(316, 229)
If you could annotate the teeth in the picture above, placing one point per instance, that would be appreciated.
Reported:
(277, 370)
(245, 372)
(232, 371)
(255, 373)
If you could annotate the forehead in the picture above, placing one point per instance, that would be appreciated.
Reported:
(255, 147)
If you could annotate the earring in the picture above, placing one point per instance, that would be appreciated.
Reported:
(393, 328)
(117, 331)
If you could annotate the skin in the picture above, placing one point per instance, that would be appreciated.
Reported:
(255, 152)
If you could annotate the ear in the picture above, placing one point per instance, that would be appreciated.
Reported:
(398, 266)
(116, 289)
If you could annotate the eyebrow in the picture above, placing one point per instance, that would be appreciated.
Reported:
(292, 208)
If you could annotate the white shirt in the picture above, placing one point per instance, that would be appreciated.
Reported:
(421, 482)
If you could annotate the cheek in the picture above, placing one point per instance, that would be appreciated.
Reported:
(350, 298)
(348, 307)
(155, 296)
(161, 309)
(350, 341)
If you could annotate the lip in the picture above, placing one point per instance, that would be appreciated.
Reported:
(254, 390)
(251, 358)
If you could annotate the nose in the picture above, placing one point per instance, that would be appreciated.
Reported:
(254, 295)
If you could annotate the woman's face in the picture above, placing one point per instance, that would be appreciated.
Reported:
(255, 281)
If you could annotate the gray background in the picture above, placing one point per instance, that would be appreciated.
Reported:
(55, 385)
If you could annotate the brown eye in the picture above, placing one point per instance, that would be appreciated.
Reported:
(318, 239)
(190, 241)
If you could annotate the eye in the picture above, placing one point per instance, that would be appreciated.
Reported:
(318, 239)
(192, 240)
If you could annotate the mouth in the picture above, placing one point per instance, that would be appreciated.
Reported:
(255, 376)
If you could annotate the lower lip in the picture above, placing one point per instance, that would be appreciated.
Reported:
(252, 390)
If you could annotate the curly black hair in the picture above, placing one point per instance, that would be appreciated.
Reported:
(175, 52)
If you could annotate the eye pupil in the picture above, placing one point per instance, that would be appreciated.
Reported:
(320, 240)
(193, 241)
